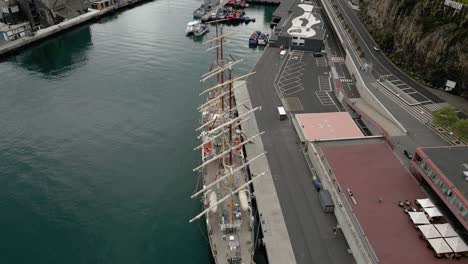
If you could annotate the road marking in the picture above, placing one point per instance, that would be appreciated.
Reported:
(337, 59)
(346, 80)
(289, 81)
(293, 90)
(321, 62)
(435, 106)
(294, 104)
(403, 88)
(324, 98)
(324, 83)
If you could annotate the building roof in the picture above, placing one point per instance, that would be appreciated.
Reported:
(320, 126)
(305, 21)
(6, 28)
(450, 161)
(372, 172)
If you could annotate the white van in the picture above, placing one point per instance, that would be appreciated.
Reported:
(281, 113)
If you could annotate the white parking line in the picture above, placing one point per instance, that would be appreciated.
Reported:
(297, 89)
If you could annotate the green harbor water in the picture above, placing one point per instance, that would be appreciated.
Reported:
(96, 138)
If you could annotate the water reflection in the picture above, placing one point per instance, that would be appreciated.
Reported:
(58, 55)
(268, 14)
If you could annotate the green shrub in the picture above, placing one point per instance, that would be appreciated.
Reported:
(461, 128)
(445, 117)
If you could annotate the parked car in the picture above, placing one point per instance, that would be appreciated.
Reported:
(317, 184)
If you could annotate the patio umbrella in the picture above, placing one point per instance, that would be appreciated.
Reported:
(429, 231)
(440, 246)
(425, 202)
(445, 230)
(418, 218)
(457, 244)
(432, 212)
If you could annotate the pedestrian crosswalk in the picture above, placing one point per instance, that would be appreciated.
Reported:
(324, 98)
(435, 106)
(337, 59)
(321, 62)
(324, 83)
(422, 113)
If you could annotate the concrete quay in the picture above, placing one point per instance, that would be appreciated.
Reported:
(310, 230)
(11, 47)
(275, 234)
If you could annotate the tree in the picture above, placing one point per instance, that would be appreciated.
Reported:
(461, 128)
(445, 117)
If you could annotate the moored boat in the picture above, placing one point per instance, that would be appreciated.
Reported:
(253, 39)
(200, 29)
(191, 26)
(263, 39)
(199, 12)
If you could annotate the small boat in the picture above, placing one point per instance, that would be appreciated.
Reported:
(200, 29)
(253, 39)
(235, 16)
(213, 16)
(237, 3)
(199, 12)
(263, 39)
(191, 26)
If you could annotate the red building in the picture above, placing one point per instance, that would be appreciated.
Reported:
(445, 170)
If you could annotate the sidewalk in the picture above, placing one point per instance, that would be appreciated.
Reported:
(386, 124)
(458, 102)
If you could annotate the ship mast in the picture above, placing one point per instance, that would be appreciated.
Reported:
(218, 130)
(224, 167)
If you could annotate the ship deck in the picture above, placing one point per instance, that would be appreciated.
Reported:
(229, 227)
(221, 240)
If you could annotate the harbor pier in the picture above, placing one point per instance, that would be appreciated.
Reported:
(275, 234)
(8, 48)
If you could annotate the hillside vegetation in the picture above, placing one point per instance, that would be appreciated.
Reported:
(423, 37)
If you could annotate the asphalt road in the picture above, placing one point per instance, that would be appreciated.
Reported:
(418, 133)
(310, 230)
(381, 65)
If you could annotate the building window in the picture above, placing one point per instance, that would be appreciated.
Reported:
(444, 188)
(449, 193)
(418, 159)
(456, 203)
(464, 213)
(431, 174)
